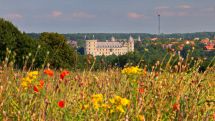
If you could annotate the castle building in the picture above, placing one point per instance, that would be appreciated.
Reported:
(98, 48)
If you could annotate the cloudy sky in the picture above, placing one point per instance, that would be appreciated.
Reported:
(73, 16)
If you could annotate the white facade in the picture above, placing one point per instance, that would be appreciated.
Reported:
(96, 48)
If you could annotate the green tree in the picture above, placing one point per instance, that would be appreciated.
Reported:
(16, 41)
(62, 55)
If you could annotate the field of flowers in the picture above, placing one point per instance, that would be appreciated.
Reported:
(129, 94)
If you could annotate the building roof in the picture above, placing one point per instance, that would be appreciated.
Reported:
(109, 44)
(209, 47)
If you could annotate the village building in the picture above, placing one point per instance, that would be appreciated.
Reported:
(73, 43)
(99, 48)
(205, 41)
(209, 47)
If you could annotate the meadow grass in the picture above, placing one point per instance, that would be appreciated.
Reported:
(114, 94)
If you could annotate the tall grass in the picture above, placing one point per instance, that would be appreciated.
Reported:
(176, 92)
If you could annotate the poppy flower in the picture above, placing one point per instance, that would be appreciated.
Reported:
(36, 89)
(61, 104)
(176, 107)
(63, 74)
(41, 83)
(49, 72)
(214, 116)
(39, 86)
(141, 90)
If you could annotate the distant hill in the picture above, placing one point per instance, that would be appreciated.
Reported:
(107, 36)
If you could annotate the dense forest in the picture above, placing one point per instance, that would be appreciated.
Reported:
(38, 50)
(107, 36)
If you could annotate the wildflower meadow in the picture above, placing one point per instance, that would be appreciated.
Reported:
(132, 93)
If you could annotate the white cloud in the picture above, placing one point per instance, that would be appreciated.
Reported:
(56, 14)
(134, 15)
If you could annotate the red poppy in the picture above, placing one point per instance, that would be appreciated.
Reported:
(39, 86)
(176, 107)
(141, 90)
(49, 72)
(61, 104)
(41, 83)
(214, 116)
(36, 89)
(63, 74)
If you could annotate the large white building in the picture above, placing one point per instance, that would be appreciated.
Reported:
(98, 48)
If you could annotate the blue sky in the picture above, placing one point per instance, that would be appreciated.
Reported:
(127, 16)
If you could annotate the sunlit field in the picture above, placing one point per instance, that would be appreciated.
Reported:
(132, 93)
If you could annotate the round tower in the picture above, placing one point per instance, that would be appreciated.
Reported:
(130, 44)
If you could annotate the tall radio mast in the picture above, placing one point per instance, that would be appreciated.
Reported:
(159, 23)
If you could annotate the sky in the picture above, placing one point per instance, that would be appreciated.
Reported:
(110, 16)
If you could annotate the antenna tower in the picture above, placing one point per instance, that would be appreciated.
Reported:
(159, 27)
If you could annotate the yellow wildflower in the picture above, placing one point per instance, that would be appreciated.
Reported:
(85, 107)
(117, 104)
(27, 79)
(106, 106)
(24, 84)
(131, 70)
(112, 100)
(112, 111)
(125, 101)
(120, 109)
(33, 74)
(96, 105)
(141, 117)
(97, 98)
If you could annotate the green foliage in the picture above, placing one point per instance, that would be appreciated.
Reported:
(30, 53)
(15, 41)
(60, 53)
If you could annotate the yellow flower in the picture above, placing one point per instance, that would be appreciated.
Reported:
(125, 101)
(112, 100)
(131, 70)
(141, 117)
(96, 105)
(27, 79)
(33, 74)
(97, 98)
(119, 101)
(120, 109)
(117, 98)
(24, 84)
(112, 111)
(117, 104)
(106, 106)
(85, 107)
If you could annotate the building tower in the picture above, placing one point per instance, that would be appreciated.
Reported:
(113, 39)
(130, 44)
(90, 47)
(139, 39)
